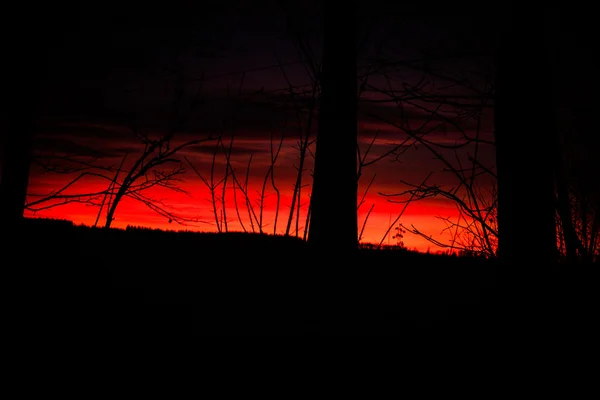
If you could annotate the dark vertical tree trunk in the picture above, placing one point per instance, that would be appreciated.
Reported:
(28, 42)
(575, 79)
(17, 146)
(525, 140)
(333, 222)
(21, 75)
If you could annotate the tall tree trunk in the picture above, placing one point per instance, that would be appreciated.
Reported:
(28, 44)
(21, 100)
(524, 130)
(575, 80)
(333, 222)
(16, 160)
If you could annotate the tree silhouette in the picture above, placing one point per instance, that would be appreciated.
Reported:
(334, 198)
(525, 139)
(576, 188)
(17, 148)
(147, 171)
(27, 56)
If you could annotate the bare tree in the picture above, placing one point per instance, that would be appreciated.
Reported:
(274, 153)
(475, 231)
(133, 181)
(219, 186)
(305, 130)
(474, 194)
(577, 190)
(144, 174)
(157, 166)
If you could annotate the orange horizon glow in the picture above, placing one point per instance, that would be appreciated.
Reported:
(415, 165)
(423, 215)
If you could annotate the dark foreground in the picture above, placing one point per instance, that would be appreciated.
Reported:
(76, 279)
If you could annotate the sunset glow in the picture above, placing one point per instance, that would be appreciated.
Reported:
(91, 110)
(130, 212)
(196, 203)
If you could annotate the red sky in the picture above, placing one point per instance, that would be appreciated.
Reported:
(112, 75)
(412, 166)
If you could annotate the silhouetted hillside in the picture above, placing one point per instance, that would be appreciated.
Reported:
(146, 280)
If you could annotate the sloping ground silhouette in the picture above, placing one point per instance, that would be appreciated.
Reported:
(145, 281)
